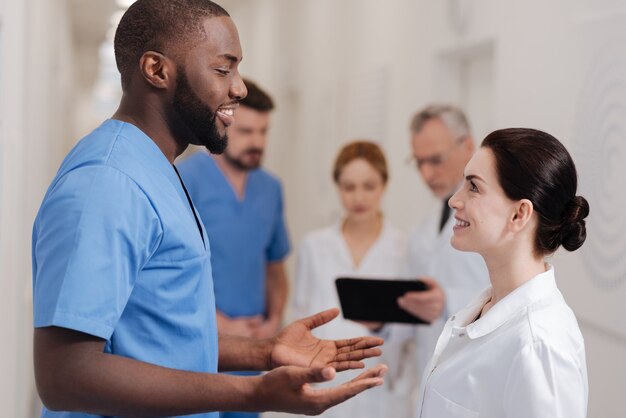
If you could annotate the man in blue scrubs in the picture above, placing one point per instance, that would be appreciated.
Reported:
(124, 311)
(241, 207)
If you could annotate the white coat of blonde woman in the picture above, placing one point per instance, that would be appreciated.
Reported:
(362, 244)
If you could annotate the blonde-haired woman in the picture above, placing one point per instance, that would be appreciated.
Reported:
(361, 244)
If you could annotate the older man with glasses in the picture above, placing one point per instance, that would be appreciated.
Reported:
(442, 145)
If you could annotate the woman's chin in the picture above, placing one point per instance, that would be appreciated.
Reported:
(363, 216)
(460, 244)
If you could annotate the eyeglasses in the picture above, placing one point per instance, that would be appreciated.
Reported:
(438, 159)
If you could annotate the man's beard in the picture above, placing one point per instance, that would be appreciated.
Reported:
(239, 163)
(197, 116)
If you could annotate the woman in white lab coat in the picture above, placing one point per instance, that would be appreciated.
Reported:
(362, 244)
(516, 350)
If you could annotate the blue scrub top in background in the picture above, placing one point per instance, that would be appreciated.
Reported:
(117, 254)
(245, 234)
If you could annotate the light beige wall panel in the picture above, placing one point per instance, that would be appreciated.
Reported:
(11, 120)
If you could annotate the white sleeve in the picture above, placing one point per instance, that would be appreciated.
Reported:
(414, 264)
(544, 382)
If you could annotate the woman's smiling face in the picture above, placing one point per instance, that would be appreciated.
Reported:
(483, 211)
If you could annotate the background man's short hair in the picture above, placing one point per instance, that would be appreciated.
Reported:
(452, 117)
(257, 98)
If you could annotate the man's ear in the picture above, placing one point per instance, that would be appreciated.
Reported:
(469, 144)
(157, 69)
(467, 147)
(523, 213)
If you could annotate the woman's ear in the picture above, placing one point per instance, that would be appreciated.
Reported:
(523, 214)
(156, 69)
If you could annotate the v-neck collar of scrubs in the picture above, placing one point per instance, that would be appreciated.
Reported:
(157, 161)
(155, 156)
(231, 186)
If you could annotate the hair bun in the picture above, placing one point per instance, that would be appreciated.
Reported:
(573, 229)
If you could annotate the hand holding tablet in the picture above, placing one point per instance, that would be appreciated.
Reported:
(376, 299)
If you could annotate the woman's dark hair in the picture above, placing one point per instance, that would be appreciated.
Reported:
(366, 150)
(534, 165)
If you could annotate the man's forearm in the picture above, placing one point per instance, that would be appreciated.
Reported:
(73, 374)
(240, 353)
(276, 290)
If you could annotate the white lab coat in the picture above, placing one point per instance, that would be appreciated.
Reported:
(322, 257)
(525, 358)
(461, 274)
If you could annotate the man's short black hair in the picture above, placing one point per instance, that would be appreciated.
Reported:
(257, 99)
(153, 25)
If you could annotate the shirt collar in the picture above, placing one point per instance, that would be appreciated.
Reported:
(149, 154)
(534, 290)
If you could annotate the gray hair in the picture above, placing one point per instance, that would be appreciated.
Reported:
(452, 117)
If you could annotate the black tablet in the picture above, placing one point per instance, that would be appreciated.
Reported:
(375, 299)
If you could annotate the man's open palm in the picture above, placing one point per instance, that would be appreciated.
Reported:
(296, 345)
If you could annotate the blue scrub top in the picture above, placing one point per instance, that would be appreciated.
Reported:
(117, 254)
(245, 234)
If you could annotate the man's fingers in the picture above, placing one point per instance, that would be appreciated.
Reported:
(352, 351)
(366, 380)
(320, 318)
(255, 321)
(348, 355)
(324, 398)
(358, 343)
(348, 365)
(314, 375)
(377, 371)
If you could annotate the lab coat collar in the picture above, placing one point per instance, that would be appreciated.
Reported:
(338, 227)
(345, 251)
(516, 302)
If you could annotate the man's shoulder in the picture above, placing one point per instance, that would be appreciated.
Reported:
(96, 147)
(115, 144)
(117, 157)
(267, 177)
(269, 183)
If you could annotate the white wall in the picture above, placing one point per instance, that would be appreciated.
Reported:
(35, 80)
(358, 68)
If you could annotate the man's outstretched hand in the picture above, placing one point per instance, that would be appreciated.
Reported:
(295, 345)
(288, 389)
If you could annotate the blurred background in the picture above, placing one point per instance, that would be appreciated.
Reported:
(341, 70)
